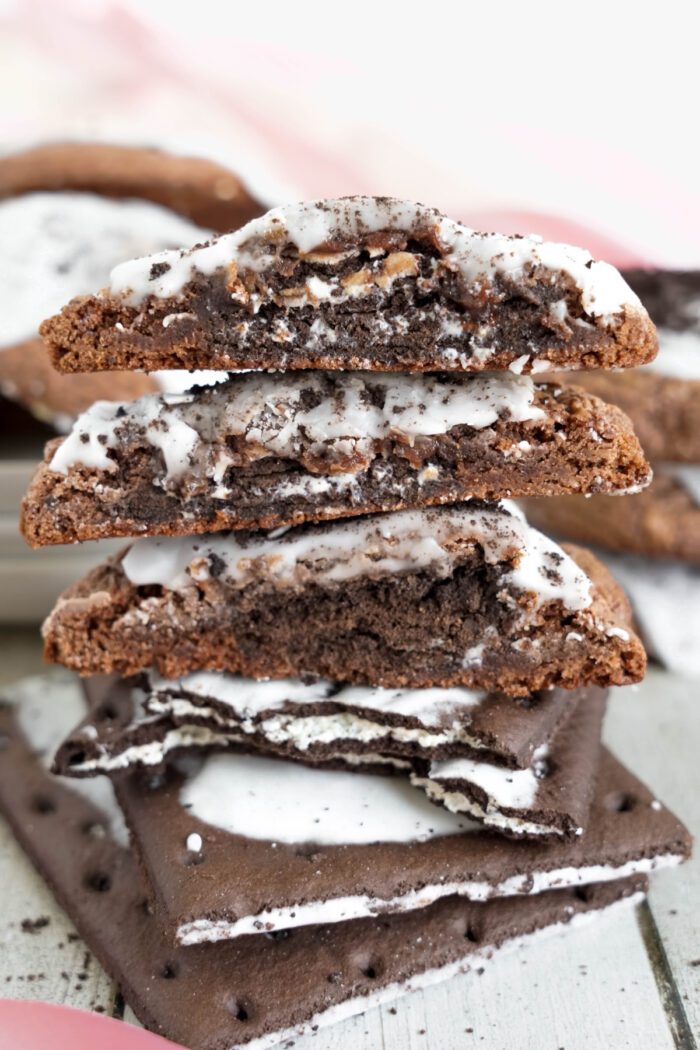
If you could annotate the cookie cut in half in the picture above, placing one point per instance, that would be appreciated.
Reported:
(143, 724)
(358, 283)
(260, 451)
(466, 595)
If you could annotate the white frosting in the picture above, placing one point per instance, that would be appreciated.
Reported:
(249, 698)
(678, 356)
(476, 257)
(267, 411)
(512, 788)
(305, 731)
(96, 431)
(153, 752)
(58, 245)
(179, 380)
(504, 788)
(474, 961)
(342, 909)
(381, 544)
(686, 474)
(261, 798)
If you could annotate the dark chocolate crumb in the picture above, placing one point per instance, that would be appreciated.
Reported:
(34, 925)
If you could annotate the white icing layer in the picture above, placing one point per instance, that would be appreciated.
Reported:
(343, 909)
(351, 412)
(261, 798)
(381, 544)
(58, 245)
(513, 788)
(311, 226)
(504, 788)
(249, 698)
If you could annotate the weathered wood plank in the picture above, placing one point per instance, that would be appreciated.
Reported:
(655, 729)
(589, 987)
(41, 956)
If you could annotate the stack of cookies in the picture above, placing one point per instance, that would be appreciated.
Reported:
(655, 539)
(349, 700)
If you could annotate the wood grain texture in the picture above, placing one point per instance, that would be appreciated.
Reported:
(655, 728)
(627, 980)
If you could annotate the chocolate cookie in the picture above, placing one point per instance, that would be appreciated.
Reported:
(260, 451)
(143, 723)
(663, 521)
(361, 282)
(465, 595)
(218, 995)
(663, 398)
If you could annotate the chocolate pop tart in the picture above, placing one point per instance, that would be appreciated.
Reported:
(311, 845)
(466, 595)
(145, 722)
(358, 283)
(217, 996)
(260, 451)
(550, 798)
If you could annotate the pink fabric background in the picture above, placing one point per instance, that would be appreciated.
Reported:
(516, 134)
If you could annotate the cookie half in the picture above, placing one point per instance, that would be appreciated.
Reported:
(358, 283)
(466, 595)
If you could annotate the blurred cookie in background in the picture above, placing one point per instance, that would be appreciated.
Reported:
(653, 536)
(663, 521)
(662, 398)
(69, 213)
(198, 189)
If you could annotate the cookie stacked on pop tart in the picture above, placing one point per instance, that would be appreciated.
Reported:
(353, 678)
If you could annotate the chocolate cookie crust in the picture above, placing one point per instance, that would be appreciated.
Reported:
(201, 190)
(360, 282)
(662, 522)
(220, 458)
(414, 599)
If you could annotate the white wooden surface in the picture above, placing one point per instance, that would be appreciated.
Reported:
(630, 980)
